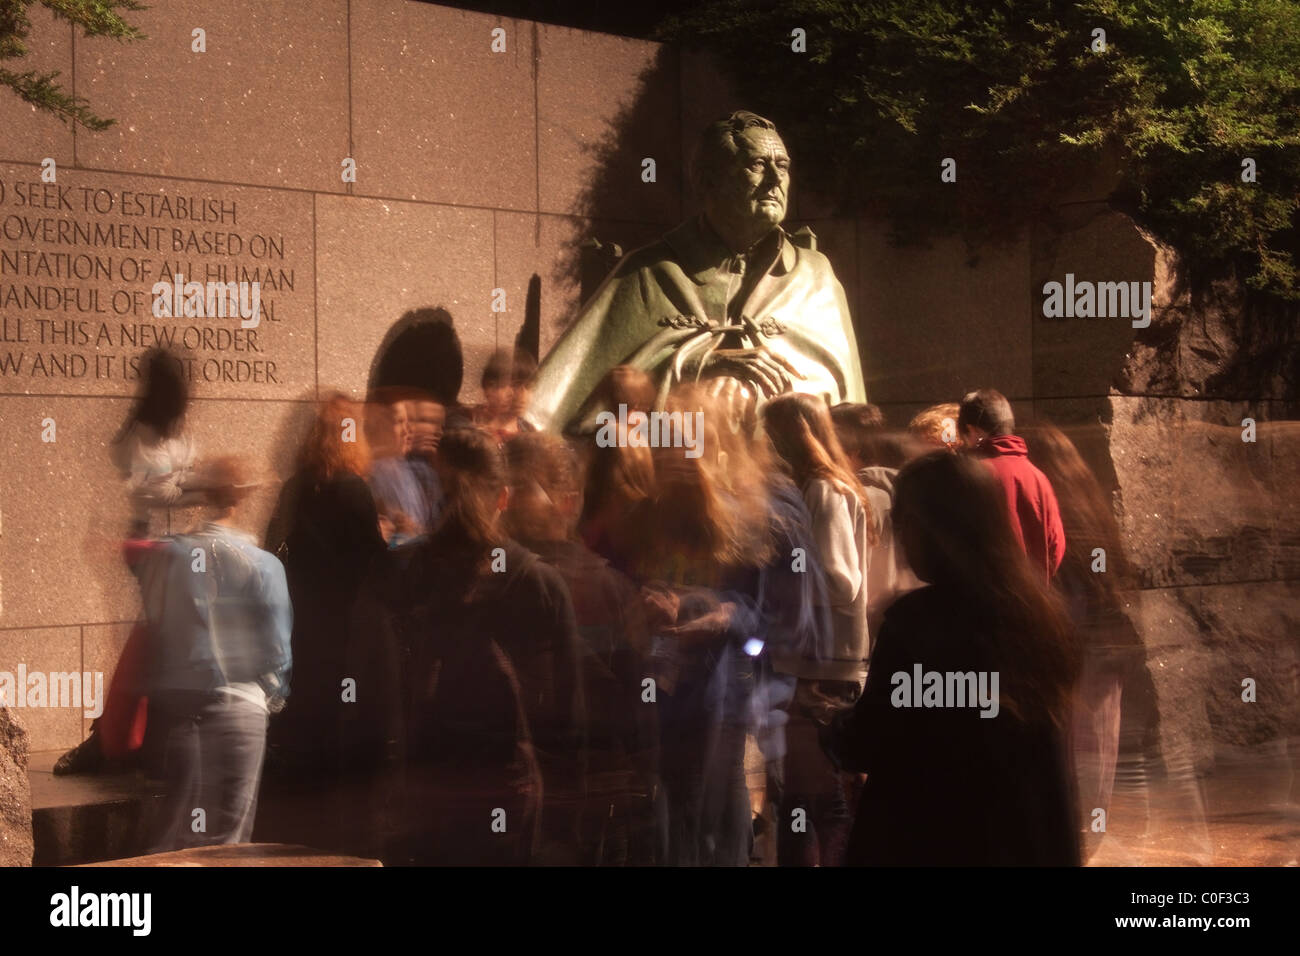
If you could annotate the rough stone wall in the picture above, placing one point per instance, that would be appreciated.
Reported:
(15, 793)
(1212, 520)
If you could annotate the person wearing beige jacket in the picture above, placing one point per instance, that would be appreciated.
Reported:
(844, 530)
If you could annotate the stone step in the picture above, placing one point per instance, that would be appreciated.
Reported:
(85, 818)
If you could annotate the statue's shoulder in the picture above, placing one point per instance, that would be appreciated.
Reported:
(649, 256)
(808, 256)
(804, 238)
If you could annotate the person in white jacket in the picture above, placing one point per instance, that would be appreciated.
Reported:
(154, 452)
(876, 454)
(844, 529)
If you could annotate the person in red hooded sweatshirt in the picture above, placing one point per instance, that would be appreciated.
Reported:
(986, 424)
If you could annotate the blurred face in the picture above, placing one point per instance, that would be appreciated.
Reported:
(754, 185)
(500, 399)
(970, 437)
(427, 421)
(401, 428)
(523, 394)
(531, 513)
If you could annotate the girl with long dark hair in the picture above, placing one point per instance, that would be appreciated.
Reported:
(1115, 727)
(956, 777)
(152, 449)
(155, 457)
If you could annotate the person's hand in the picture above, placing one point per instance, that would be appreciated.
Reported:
(763, 370)
(737, 402)
(661, 607)
(706, 627)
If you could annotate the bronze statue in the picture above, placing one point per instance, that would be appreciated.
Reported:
(727, 296)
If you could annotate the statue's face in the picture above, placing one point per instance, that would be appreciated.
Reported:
(755, 184)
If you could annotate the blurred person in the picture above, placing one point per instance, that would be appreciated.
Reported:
(155, 455)
(980, 779)
(153, 451)
(876, 455)
(937, 426)
(495, 697)
(427, 421)
(219, 664)
(325, 529)
(987, 427)
(542, 515)
(620, 477)
(523, 377)
(507, 384)
(400, 499)
(868, 441)
(844, 524)
(698, 549)
(794, 622)
(1116, 716)
(869, 418)
(845, 527)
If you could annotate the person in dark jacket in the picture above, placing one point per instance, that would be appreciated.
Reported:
(339, 725)
(494, 694)
(988, 427)
(616, 824)
(326, 530)
(973, 769)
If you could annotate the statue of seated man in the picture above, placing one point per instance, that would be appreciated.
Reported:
(727, 298)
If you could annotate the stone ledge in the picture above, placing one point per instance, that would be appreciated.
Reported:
(242, 854)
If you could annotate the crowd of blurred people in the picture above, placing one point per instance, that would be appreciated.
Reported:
(465, 641)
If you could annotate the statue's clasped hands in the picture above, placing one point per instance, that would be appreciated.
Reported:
(739, 376)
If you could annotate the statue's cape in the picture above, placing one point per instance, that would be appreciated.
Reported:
(664, 309)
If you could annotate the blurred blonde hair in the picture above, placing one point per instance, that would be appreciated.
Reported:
(723, 486)
(928, 425)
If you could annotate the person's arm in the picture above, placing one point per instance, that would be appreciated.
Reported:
(363, 536)
(279, 629)
(142, 466)
(855, 737)
(832, 529)
(560, 730)
(1055, 528)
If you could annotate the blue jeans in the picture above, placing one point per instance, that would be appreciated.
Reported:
(208, 751)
